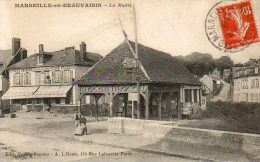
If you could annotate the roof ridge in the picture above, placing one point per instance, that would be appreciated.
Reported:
(179, 65)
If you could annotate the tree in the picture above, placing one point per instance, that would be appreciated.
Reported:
(224, 62)
(198, 63)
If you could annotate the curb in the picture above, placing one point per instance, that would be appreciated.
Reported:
(159, 152)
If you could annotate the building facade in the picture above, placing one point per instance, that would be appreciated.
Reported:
(209, 86)
(168, 90)
(246, 84)
(8, 58)
(48, 80)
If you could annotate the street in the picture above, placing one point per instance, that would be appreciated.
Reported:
(43, 136)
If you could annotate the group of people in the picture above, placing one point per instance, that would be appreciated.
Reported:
(80, 124)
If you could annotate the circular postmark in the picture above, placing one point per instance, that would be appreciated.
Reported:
(230, 26)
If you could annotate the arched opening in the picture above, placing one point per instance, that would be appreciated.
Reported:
(163, 105)
(126, 106)
(93, 105)
(120, 105)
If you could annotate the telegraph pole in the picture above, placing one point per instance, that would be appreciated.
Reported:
(135, 53)
(137, 66)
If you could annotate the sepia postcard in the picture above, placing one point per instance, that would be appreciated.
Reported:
(129, 80)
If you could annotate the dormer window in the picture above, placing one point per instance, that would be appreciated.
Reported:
(40, 59)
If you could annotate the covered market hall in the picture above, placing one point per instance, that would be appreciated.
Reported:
(168, 90)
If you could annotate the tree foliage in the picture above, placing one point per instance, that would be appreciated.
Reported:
(203, 63)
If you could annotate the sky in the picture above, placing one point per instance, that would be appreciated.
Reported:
(173, 26)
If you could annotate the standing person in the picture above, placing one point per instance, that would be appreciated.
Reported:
(76, 122)
(83, 122)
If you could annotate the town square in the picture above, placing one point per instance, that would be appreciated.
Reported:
(129, 81)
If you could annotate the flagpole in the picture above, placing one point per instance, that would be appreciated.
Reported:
(137, 65)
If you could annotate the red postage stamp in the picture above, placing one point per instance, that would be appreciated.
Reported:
(238, 25)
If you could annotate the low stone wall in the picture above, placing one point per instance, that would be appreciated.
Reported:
(156, 131)
(14, 108)
(35, 108)
(54, 108)
(64, 109)
(129, 126)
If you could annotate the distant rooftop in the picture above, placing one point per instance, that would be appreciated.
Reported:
(67, 56)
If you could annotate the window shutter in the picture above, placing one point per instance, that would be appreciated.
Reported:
(71, 76)
(53, 77)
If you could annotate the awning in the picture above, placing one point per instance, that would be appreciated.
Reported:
(52, 91)
(19, 93)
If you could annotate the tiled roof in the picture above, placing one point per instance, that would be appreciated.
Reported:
(159, 67)
(69, 56)
(5, 58)
(247, 71)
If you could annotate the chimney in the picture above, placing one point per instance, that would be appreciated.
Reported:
(83, 51)
(41, 50)
(16, 45)
(23, 54)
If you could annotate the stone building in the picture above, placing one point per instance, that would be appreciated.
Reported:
(49, 79)
(8, 58)
(246, 84)
(168, 89)
(209, 86)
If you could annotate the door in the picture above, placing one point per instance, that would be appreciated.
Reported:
(47, 104)
(23, 105)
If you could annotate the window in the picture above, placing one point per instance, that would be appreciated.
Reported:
(17, 79)
(42, 78)
(253, 83)
(195, 95)
(67, 76)
(57, 101)
(257, 83)
(16, 101)
(237, 74)
(57, 76)
(252, 97)
(46, 101)
(29, 101)
(40, 59)
(47, 79)
(38, 78)
(245, 84)
(187, 95)
(38, 101)
(256, 97)
(27, 78)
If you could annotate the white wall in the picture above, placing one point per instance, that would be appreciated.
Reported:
(240, 93)
(208, 82)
